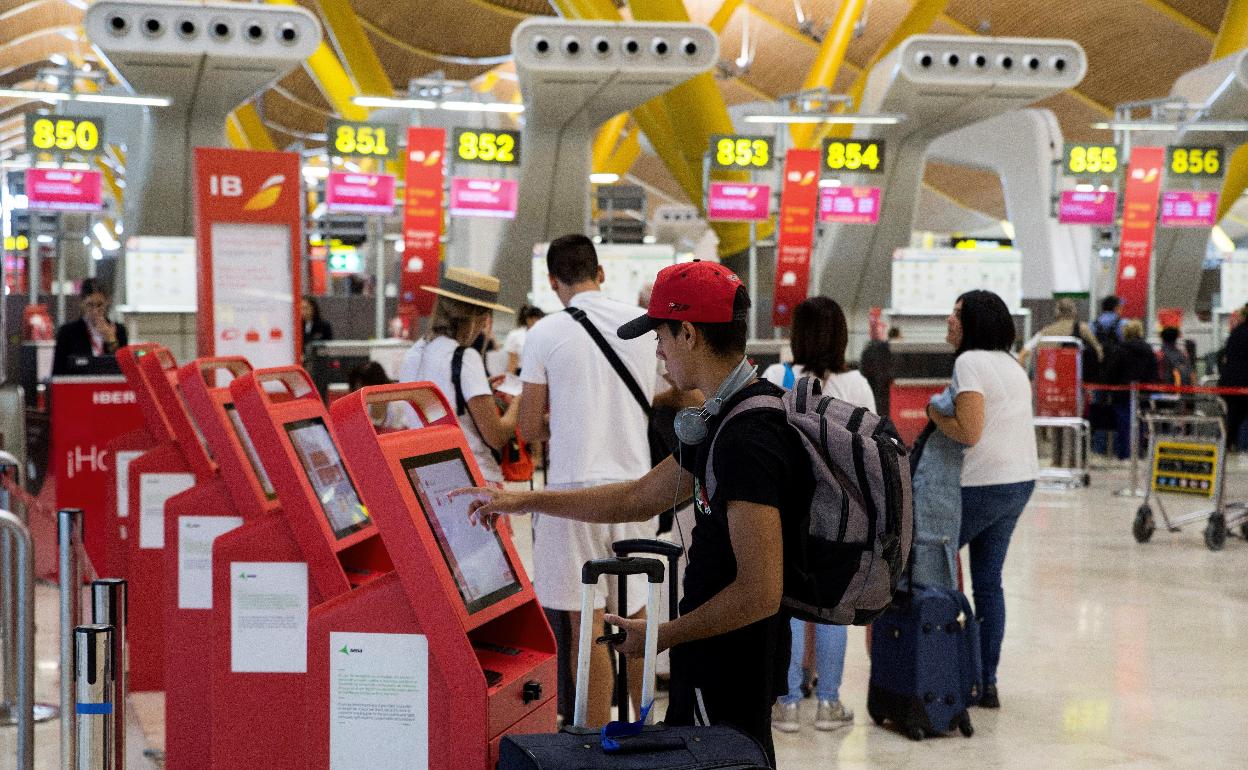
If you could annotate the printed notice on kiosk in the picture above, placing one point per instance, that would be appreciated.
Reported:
(268, 617)
(378, 700)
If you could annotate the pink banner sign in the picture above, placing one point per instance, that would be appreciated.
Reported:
(63, 190)
(1078, 207)
(850, 205)
(736, 202)
(359, 193)
(484, 197)
(1189, 208)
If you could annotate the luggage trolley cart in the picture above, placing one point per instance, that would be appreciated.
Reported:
(1187, 456)
(1058, 387)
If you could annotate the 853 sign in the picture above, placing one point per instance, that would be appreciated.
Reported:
(64, 134)
(741, 153)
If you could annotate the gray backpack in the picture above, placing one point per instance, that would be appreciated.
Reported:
(853, 545)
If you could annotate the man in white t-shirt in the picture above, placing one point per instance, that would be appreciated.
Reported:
(596, 432)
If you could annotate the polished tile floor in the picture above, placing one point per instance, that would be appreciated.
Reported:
(1116, 654)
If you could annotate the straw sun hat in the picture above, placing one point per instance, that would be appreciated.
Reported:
(469, 286)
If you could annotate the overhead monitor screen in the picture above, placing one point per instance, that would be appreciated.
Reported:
(328, 476)
(474, 555)
(249, 448)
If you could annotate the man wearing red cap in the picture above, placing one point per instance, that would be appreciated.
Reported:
(730, 647)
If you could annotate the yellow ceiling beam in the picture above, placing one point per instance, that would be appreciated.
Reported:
(828, 61)
(110, 179)
(1177, 16)
(355, 48)
(234, 135)
(255, 136)
(723, 15)
(1233, 35)
(332, 78)
(606, 140)
(626, 153)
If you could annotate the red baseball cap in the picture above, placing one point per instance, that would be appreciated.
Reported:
(697, 291)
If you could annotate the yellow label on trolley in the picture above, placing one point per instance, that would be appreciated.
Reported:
(1190, 468)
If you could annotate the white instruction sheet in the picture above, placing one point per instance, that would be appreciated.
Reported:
(378, 700)
(154, 490)
(269, 617)
(122, 463)
(195, 536)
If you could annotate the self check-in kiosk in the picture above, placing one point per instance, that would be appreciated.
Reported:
(238, 492)
(454, 637)
(156, 480)
(269, 572)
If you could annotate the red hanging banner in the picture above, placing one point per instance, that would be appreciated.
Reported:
(422, 221)
(799, 200)
(1139, 225)
(249, 233)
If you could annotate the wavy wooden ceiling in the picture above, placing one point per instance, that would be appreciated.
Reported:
(1136, 49)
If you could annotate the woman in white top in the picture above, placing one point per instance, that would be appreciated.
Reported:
(514, 344)
(465, 300)
(820, 336)
(993, 417)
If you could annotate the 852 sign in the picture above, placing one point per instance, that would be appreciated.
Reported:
(491, 148)
(64, 134)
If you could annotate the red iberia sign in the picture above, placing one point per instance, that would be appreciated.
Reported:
(249, 233)
(799, 201)
(422, 219)
(59, 189)
(1139, 226)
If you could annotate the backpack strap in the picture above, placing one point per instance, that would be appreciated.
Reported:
(457, 368)
(612, 358)
(753, 403)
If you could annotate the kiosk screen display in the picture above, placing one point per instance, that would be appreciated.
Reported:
(474, 555)
(249, 448)
(328, 476)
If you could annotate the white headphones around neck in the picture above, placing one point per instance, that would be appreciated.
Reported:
(691, 423)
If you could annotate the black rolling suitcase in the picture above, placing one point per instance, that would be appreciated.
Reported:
(656, 747)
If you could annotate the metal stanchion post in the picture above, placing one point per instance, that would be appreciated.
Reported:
(68, 535)
(93, 704)
(109, 608)
(22, 675)
(1133, 437)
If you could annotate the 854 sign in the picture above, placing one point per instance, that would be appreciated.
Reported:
(64, 134)
(859, 156)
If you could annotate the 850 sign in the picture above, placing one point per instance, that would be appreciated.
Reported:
(64, 134)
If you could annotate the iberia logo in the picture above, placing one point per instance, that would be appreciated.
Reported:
(423, 158)
(268, 194)
(801, 179)
(346, 650)
(1145, 175)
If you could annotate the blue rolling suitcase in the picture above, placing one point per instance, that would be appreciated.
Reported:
(656, 747)
(926, 669)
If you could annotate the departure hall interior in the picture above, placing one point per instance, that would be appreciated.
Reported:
(475, 384)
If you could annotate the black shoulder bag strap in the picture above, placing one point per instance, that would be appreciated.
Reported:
(461, 406)
(629, 381)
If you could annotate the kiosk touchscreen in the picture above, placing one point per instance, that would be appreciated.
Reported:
(458, 609)
(270, 572)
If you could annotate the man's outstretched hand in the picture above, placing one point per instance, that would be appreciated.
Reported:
(487, 505)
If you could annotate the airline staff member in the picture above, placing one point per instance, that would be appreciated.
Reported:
(91, 337)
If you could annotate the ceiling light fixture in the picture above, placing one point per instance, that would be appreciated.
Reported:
(429, 104)
(604, 178)
(829, 118)
(1140, 125)
(61, 96)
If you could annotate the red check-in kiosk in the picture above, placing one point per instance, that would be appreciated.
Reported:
(454, 643)
(239, 491)
(268, 573)
(157, 479)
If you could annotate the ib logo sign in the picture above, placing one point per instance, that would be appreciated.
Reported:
(231, 186)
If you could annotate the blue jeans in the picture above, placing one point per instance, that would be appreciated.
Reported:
(829, 660)
(988, 518)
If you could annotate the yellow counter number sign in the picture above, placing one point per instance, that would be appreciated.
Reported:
(741, 153)
(63, 133)
(859, 157)
(487, 147)
(1092, 159)
(1195, 161)
(362, 140)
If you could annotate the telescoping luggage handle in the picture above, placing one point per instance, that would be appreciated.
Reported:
(591, 573)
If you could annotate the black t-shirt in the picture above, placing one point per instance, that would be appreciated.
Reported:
(759, 458)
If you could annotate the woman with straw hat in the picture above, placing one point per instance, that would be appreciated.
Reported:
(444, 356)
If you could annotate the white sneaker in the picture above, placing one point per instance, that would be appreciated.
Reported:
(832, 714)
(784, 717)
